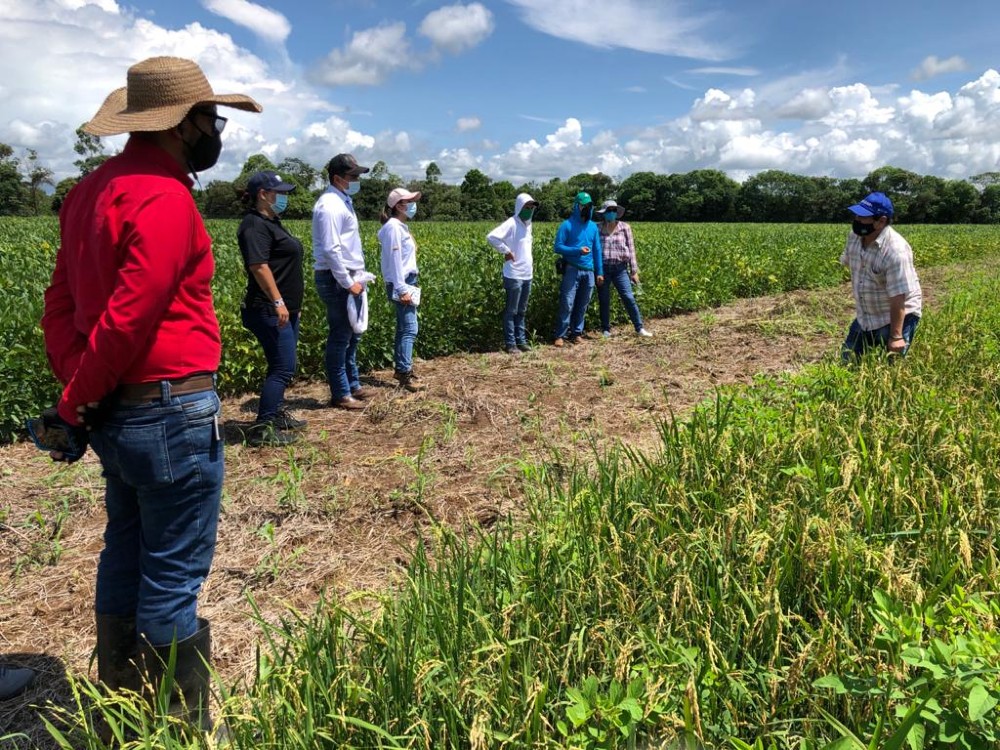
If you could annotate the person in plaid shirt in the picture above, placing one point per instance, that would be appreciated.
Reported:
(886, 289)
(621, 269)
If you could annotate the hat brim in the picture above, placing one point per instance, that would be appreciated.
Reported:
(114, 117)
(617, 209)
(859, 210)
(283, 187)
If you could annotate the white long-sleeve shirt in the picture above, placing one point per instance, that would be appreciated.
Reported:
(514, 237)
(399, 255)
(336, 237)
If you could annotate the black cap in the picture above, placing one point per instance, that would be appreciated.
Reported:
(345, 165)
(268, 180)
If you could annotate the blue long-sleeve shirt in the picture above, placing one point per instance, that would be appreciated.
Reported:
(574, 234)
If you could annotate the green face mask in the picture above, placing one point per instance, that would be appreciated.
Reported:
(526, 214)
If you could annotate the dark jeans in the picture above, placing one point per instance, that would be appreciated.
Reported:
(859, 341)
(279, 346)
(407, 328)
(341, 340)
(617, 274)
(575, 291)
(518, 291)
(163, 467)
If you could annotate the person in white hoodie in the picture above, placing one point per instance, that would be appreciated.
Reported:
(399, 269)
(513, 240)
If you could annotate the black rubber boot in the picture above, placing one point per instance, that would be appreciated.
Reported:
(117, 650)
(190, 681)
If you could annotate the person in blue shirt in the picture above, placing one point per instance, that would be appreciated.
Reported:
(578, 244)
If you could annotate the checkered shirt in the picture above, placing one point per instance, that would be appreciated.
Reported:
(879, 272)
(619, 246)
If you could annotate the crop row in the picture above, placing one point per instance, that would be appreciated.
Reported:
(684, 267)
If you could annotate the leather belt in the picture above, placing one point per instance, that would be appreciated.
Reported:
(141, 393)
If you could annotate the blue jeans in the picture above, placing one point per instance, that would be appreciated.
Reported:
(279, 350)
(406, 329)
(617, 274)
(163, 468)
(518, 291)
(859, 341)
(341, 340)
(575, 292)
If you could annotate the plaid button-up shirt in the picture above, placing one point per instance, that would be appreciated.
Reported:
(879, 272)
(618, 246)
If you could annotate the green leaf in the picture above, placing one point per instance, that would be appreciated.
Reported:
(981, 702)
(832, 682)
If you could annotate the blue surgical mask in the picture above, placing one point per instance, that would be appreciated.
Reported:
(411, 210)
(611, 216)
(280, 203)
(353, 187)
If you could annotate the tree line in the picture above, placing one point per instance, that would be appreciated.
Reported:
(697, 196)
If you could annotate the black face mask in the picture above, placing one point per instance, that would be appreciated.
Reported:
(862, 230)
(205, 151)
(585, 212)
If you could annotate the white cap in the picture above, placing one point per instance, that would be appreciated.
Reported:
(401, 194)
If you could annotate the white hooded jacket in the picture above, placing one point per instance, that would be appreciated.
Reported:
(514, 237)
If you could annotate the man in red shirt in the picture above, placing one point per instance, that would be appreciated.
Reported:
(131, 333)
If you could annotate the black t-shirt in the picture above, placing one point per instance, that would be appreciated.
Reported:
(264, 240)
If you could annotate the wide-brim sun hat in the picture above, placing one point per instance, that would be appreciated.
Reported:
(609, 205)
(158, 94)
(401, 194)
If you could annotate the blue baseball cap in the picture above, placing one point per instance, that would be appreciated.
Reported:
(268, 180)
(875, 204)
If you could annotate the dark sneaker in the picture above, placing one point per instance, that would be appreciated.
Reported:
(573, 340)
(524, 346)
(267, 434)
(14, 681)
(512, 349)
(363, 394)
(347, 402)
(586, 336)
(408, 380)
(285, 421)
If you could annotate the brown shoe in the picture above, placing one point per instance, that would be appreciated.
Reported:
(558, 342)
(408, 381)
(346, 402)
(363, 394)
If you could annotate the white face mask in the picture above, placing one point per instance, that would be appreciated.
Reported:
(411, 210)
(353, 187)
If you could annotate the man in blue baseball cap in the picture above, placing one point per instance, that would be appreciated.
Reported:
(886, 289)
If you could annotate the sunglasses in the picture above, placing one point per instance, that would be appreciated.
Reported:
(218, 121)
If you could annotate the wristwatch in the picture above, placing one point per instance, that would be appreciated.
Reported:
(279, 302)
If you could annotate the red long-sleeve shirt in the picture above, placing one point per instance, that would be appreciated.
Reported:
(130, 299)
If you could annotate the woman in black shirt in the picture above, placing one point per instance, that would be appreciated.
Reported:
(273, 300)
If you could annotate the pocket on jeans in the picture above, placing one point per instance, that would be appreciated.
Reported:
(143, 455)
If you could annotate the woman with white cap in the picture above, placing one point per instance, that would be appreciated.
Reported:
(620, 267)
(399, 269)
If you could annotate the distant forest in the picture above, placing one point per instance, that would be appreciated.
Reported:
(701, 195)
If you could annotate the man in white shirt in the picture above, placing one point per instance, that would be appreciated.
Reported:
(339, 263)
(887, 294)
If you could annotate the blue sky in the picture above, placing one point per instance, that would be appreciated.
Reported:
(527, 90)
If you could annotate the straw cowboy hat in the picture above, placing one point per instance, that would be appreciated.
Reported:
(159, 94)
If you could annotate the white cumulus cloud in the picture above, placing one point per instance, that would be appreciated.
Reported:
(932, 66)
(266, 23)
(465, 124)
(455, 28)
(370, 56)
